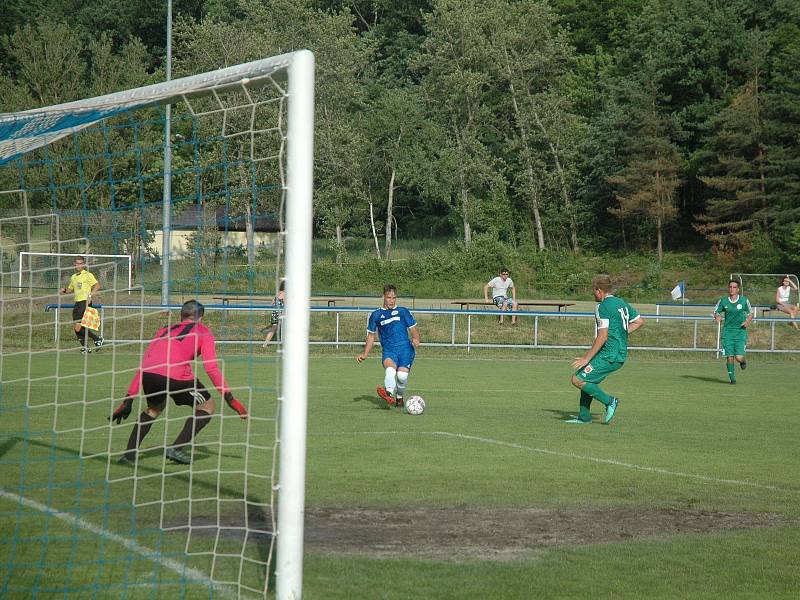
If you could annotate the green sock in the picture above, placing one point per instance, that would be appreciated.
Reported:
(586, 402)
(596, 393)
(732, 371)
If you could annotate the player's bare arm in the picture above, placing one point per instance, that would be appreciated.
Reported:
(414, 336)
(602, 336)
(634, 325)
(368, 343)
(486, 293)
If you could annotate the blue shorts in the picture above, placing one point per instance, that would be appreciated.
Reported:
(499, 300)
(402, 356)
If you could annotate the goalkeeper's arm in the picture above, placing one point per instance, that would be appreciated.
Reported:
(235, 404)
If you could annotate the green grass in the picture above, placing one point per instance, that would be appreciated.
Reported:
(491, 440)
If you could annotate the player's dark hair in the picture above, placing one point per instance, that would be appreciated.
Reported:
(602, 282)
(282, 286)
(389, 287)
(80, 258)
(193, 310)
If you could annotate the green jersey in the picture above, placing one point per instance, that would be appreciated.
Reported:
(615, 314)
(736, 311)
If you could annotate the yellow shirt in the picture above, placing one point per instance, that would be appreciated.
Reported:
(81, 283)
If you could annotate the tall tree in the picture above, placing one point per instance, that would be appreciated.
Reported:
(530, 55)
(277, 26)
(645, 187)
(736, 174)
(457, 85)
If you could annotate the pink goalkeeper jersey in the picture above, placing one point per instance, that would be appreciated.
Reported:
(172, 351)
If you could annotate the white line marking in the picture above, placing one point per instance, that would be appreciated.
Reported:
(605, 461)
(182, 570)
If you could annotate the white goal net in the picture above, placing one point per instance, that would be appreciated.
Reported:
(86, 178)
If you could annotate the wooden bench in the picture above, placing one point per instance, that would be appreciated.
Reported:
(766, 309)
(226, 300)
(561, 306)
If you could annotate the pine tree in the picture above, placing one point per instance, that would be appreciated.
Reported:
(645, 188)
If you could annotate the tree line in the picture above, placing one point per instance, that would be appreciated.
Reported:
(578, 125)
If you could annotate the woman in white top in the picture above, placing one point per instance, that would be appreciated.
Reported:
(783, 299)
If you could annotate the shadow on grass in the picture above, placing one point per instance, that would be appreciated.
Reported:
(561, 415)
(706, 379)
(8, 445)
(375, 400)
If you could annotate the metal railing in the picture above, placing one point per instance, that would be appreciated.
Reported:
(462, 329)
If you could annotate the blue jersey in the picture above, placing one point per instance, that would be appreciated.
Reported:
(392, 326)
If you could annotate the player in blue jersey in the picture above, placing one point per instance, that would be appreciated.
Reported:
(392, 324)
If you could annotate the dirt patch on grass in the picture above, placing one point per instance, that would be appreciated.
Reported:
(504, 533)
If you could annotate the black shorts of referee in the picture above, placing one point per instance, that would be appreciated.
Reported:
(78, 309)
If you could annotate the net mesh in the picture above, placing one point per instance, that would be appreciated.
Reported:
(76, 521)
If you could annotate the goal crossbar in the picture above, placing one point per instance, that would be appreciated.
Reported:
(24, 131)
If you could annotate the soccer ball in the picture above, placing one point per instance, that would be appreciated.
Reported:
(415, 405)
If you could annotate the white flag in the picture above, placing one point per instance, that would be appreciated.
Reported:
(677, 291)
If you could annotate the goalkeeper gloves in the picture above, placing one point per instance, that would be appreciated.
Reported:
(123, 411)
(235, 405)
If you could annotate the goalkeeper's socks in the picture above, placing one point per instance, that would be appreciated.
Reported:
(595, 392)
(93, 335)
(191, 428)
(140, 430)
(731, 371)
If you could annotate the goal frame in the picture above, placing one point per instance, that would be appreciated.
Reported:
(25, 131)
(87, 255)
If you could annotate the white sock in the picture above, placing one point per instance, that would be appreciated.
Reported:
(389, 379)
(402, 380)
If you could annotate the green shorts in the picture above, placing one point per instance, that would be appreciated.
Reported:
(597, 370)
(734, 343)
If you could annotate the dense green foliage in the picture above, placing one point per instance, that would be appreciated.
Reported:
(552, 126)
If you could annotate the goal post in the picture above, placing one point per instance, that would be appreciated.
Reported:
(242, 176)
(294, 408)
(126, 258)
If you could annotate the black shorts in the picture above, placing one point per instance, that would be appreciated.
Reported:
(157, 387)
(78, 309)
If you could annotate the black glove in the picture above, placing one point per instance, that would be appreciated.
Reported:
(123, 411)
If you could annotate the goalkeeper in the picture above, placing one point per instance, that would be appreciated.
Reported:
(166, 370)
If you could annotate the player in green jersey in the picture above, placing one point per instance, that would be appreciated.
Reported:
(616, 319)
(738, 314)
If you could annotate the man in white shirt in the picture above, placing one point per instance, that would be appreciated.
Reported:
(500, 296)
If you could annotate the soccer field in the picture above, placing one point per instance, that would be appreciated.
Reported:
(691, 492)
